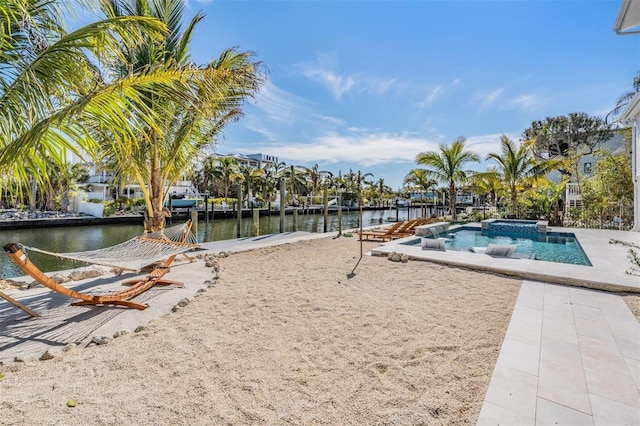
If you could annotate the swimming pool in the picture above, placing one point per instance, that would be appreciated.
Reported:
(550, 246)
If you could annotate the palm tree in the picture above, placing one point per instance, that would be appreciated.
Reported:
(229, 170)
(488, 183)
(50, 85)
(296, 179)
(381, 188)
(420, 179)
(517, 166)
(252, 178)
(445, 165)
(63, 178)
(159, 147)
(624, 100)
(209, 172)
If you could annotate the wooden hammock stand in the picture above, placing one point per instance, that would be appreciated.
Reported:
(122, 298)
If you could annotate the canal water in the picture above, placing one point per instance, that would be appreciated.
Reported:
(82, 238)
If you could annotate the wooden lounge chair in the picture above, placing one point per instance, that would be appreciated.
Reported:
(381, 234)
(137, 286)
(397, 230)
(409, 228)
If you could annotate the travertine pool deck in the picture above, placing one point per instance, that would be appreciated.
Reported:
(571, 354)
(609, 261)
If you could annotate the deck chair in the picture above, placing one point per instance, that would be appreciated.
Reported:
(141, 251)
(382, 234)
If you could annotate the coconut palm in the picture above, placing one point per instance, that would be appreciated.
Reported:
(252, 178)
(624, 100)
(420, 179)
(296, 177)
(446, 165)
(185, 121)
(228, 170)
(62, 180)
(381, 188)
(518, 166)
(489, 183)
(50, 85)
(208, 173)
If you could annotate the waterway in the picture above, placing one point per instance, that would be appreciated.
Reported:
(81, 238)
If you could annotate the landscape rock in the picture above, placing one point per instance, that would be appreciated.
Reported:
(4, 283)
(100, 340)
(60, 279)
(70, 347)
(83, 274)
(25, 358)
(15, 214)
(47, 356)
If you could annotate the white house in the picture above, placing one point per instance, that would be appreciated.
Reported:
(628, 22)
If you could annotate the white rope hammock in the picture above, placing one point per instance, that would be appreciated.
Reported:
(137, 252)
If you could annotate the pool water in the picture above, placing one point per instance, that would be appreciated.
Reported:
(550, 247)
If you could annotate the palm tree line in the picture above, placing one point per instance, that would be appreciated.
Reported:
(222, 176)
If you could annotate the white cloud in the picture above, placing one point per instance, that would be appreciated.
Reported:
(332, 120)
(526, 102)
(324, 69)
(338, 85)
(278, 104)
(367, 149)
(486, 99)
(484, 144)
(436, 92)
(433, 94)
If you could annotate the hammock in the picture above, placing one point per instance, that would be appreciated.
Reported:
(136, 253)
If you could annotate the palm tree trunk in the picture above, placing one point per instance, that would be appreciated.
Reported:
(155, 220)
(452, 200)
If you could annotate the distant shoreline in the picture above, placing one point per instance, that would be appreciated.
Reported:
(58, 219)
(16, 219)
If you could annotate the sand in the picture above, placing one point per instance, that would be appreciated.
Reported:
(289, 335)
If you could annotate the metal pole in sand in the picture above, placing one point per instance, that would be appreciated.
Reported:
(239, 210)
(256, 222)
(295, 219)
(194, 221)
(339, 200)
(325, 201)
(282, 200)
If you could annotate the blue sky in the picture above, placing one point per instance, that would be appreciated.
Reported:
(367, 85)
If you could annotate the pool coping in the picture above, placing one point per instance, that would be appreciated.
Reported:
(609, 261)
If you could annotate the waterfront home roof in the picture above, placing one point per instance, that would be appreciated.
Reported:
(628, 20)
(632, 110)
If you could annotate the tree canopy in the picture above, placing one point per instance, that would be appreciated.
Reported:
(567, 137)
(447, 165)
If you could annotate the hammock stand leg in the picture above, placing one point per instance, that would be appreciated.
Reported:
(18, 305)
(125, 303)
(157, 275)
